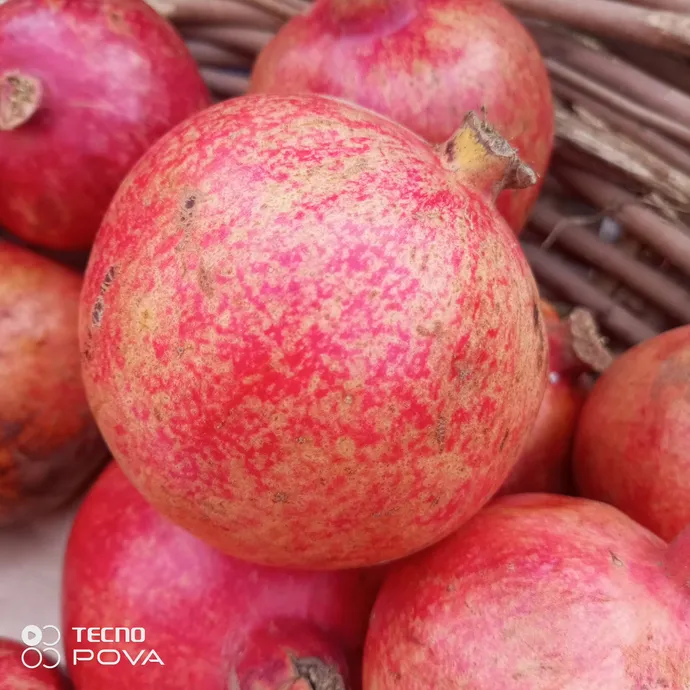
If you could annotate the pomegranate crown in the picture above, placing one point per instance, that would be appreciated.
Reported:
(484, 159)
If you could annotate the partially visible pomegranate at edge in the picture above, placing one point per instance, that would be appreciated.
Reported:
(308, 336)
(86, 86)
(632, 447)
(536, 592)
(575, 349)
(424, 63)
(213, 621)
(15, 674)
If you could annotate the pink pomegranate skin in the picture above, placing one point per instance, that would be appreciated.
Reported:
(15, 676)
(545, 462)
(50, 446)
(114, 77)
(424, 63)
(633, 440)
(537, 592)
(306, 338)
(214, 621)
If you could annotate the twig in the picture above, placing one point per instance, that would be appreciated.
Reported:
(669, 296)
(251, 41)
(667, 239)
(633, 109)
(225, 83)
(283, 8)
(670, 5)
(619, 151)
(557, 274)
(216, 11)
(618, 75)
(208, 55)
(668, 31)
(586, 107)
(672, 69)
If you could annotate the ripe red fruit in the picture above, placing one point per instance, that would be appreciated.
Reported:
(308, 337)
(633, 439)
(424, 63)
(50, 446)
(215, 622)
(86, 87)
(14, 674)
(537, 592)
(574, 349)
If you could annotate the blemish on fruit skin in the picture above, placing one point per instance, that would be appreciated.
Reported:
(97, 312)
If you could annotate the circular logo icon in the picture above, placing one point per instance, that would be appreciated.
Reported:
(32, 636)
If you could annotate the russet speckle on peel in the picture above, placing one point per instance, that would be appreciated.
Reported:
(300, 329)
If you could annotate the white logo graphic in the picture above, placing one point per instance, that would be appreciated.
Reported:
(48, 636)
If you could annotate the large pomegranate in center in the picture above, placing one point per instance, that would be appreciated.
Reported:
(308, 336)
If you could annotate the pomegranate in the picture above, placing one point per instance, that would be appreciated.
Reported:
(307, 335)
(537, 592)
(50, 446)
(424, 63)
(15, 675)
(631, 448)
(575, 348)
(86, 86)
(213, 621)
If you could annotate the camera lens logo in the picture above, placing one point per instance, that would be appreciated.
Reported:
(47, 638)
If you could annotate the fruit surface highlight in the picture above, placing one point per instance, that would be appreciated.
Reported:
(50, 447)
(215, 622)
(575, 348)
(424, 63)
(536, 592)
(14, 674)
(632, 447)
(86, 86)
(308, 337)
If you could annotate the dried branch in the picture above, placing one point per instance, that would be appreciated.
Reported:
(588, 108)
(564, 280)
(250, 41)
(208, 55)
(670, 5)
(668, 31)
(622, 153)
(669, 240)
(283, 8)
(216, 11)
(672, 69)
(672, 298)
(631, 108)
(592, 59)
(225, 83)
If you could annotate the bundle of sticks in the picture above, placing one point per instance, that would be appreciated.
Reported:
(611, 231)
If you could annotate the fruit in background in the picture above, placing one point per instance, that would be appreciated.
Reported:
(537, 592)
(298, 347)
(85, 88)
(214, 621)
(424, 63)
(632, 447)
(50, 447)
(575, 348)
(14, 675)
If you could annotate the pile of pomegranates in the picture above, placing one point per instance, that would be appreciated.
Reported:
(329, 434)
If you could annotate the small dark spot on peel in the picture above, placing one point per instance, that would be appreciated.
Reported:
(189, 203)
(108, 279)
(503, 441)
(441, 431)
(97, 312)
(536, 315)
(615, 560)
(280, 497)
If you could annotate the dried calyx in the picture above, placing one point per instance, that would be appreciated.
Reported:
(20, 98)
(483, 159)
